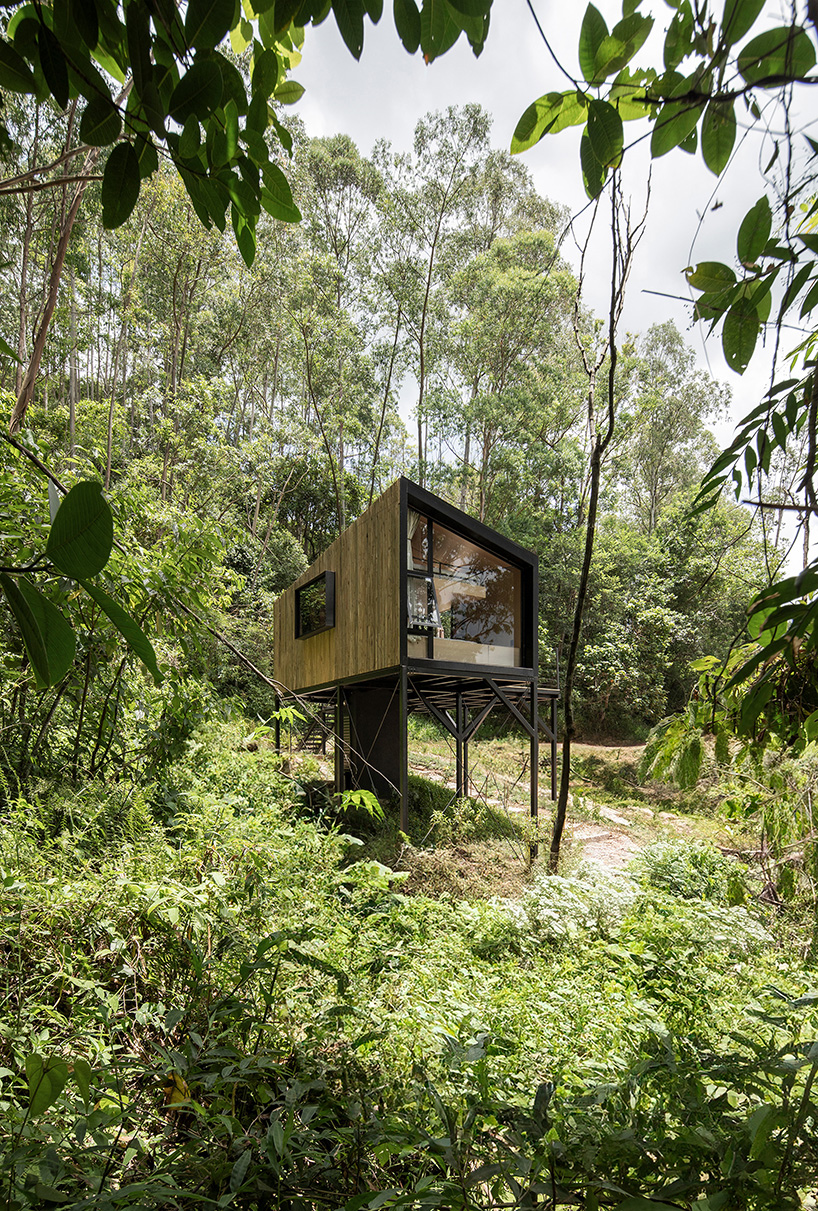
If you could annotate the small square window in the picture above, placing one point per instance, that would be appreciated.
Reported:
(315, 606)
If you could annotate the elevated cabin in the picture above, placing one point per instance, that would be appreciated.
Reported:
(415, 607)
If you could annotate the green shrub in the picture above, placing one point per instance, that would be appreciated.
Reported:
(692, 870)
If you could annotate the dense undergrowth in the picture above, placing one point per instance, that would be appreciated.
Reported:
(227, 1006)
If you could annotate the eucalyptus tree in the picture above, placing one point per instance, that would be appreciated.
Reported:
(664, 441)
(424, 204)
(512, 358)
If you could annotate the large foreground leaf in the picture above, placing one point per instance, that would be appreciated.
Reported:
(128, 628)
(47, 637)
(82, 535)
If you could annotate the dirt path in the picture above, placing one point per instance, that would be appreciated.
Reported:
(610, 837)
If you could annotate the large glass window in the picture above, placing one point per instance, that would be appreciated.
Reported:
(465, 604)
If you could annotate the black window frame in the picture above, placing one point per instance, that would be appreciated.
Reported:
(436, 510)
(329, 599)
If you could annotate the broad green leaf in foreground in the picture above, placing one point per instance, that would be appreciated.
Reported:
(46, 1081)
(718, 135)
(128, 628)
(82, 535)
(120, 185)
(754, 231)
(785, 51)
(47, 637)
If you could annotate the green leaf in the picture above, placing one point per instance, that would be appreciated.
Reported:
(239, 1170)
(198, 92)
(233, 84)
(629, 94)
(241, 36)
(551, 113)
(190, 138)
(407, 23)
(592, 34)
(245, 236)
(349, 17)
(147, 156)
(210, 205)
(207, 22)
(128, 628)
(15, 74)
(754, 232)
(674, 122)
(47, 637)
(474, 26)
(605, 133)
(679, 37)
(593, 173)
(438, 29)
(472, 8)
(82, 1076)
(739, 335)
(289, 92)
(7, 350)
(618, 48)
(46, 1081)
(84, 15)
(138, 39)
(231, 129)
(101, 123)
(55, 68)
(780, 430)
(29, 631)
(739, 17)
(786, 51)
(277, 197)
(82, 535)
(120, 185)
(718, 135)
(265, 73)
(711, 277)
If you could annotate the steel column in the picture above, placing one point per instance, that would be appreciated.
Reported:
(554, 750)
(404, 750)
(535, 763)
(339, 741)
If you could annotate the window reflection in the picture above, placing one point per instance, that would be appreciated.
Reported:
(468, 601)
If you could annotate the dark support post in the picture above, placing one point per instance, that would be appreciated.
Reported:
(535, 762)
(277, 724)
(458, 740)
(554, 749)
(404, 750)
(465, 767)
(339, 741)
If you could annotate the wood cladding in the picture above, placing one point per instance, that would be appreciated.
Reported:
(366, 560)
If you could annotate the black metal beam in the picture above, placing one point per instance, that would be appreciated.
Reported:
(509, 705)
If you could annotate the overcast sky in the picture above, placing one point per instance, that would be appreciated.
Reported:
(385, 94)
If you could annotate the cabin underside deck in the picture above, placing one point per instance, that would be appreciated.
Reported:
(368, 721)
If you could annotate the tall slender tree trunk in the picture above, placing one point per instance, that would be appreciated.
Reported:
(624, 240)
(26, 391)
(22, 337)
(73, 375)
(121, 352)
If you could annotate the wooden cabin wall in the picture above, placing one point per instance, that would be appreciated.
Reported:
(366, 560)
